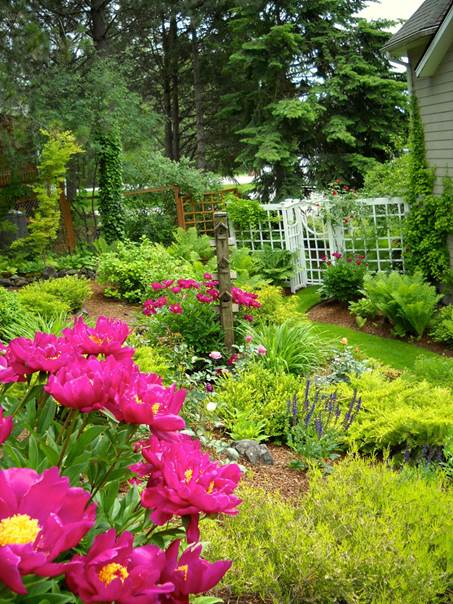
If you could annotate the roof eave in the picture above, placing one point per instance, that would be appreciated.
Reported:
(400, 48)
(437, 48)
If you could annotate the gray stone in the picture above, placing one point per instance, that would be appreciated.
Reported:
(255, 453)
(49, 272)
(20, 282)
(6, 283)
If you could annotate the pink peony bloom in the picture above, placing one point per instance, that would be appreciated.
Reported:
(204, 299)
(114, 571)
(175, 309)
(45, 352)
(216, 355)
(191, 574)
(176, 289)
(145, 402)
(262, 350)
(88, 384)
(248, 318)
(106, 338)
(167, 282)
(156, 286)
(188, 284)
(248, 339)
(7, 373)
(185, 482)
(6, 426)
(244, 298)
(41, 516)
(337, 255)
(208, 276)
(232, 360)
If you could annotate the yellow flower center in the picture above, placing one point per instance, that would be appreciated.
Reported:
(138, 400)
(18, 529)
(112, 571)
(155, 408)
(96, 339)
(188, 475)
(54, 357)
(210, 487)
(184, 569)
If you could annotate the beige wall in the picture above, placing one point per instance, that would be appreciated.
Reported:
(435, 101)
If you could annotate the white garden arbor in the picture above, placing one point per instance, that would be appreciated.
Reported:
(301, 226)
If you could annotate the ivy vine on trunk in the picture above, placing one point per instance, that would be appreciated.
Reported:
(111, 184)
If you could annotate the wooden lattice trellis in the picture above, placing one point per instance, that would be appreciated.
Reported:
(199, 212)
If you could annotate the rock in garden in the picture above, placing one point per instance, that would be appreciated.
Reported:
(6, 283)
(255, 453)
(48, 272)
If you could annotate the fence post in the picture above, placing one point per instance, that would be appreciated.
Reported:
(223, 271)
(180, 218)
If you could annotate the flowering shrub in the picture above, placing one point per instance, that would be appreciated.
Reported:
(187, 307)
(343, 277)
(79, 403)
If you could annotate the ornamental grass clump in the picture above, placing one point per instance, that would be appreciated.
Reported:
(101, 449)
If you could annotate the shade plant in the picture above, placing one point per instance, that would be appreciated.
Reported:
(80, 421)
(343, 277)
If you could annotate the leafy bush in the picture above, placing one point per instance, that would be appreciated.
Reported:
(247, 267)
(151, 360)
(363, 308)
(42, 303)
(259, 395)
(389, 179)
(407, 301)
(191, 246)
(442, 330)
(144, 220)
(291, 347)
(71, 290)
(245, 213)
(343, 279)
(437, 370)
(275, 307)
(399, 414)
(365, 534)
(10, 309)
(276, 265)
(130, 269)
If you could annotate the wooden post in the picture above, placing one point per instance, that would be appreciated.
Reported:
(180, 218)
(67, 220)
(224, 276)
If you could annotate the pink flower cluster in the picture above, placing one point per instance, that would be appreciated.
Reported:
(206, 293)
(41, 516)
(335, 256)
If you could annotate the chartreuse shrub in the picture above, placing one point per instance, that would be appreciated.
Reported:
(399, 414)
(70, 290)
(442, 330)
(42, 303)
(291, 347)
(151, 360)
(129, 270)
(407, 301)
(275, 307)
(364, 535)
(437, 370)
(256, 397)
(10, 309)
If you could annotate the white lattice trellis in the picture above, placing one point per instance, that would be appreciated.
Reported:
(297, 225)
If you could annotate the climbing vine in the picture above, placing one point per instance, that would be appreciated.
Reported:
(430, 218)
(44, 224)
(111, 185)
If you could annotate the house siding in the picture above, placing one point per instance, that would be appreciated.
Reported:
(435, 101)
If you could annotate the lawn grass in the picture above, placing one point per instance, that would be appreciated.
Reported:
(307, 298)
(396, 354)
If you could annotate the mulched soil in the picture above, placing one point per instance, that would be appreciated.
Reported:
(279, 477)
(98, 305)
(333, 312)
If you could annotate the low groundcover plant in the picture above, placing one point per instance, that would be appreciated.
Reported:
(78, 404)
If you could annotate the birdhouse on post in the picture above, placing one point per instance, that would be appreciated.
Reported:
(221, 235)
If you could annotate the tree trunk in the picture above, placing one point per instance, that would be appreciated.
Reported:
(98, 24)
(173, 37)
(198, 99)
(166, 85)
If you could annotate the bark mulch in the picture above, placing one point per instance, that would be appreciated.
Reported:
(99, 305)
(280, 478)
(333, 312)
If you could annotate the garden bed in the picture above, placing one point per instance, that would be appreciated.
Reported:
(336, 313)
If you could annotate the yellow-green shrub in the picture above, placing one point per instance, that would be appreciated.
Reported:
(364, 535)
(275, 307)
(259, 394)
(70, 291)
(41, 303)
(151, 360)
(399, 413)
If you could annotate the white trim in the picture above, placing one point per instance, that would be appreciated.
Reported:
(439, 45)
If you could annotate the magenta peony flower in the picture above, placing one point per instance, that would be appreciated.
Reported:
(176, 289)
(176, 309)
(149, 307)
(204, 299)
(41, 516)
(156, 286)
(188, 284)
(167, 282)
(185, 482)
(7, 373)
(114, 571)
(145, 402)
(337, 255)
(45, 352)
(191, 574)
(6, 426)
(244, 298)
(232, 359)
(248, 318)
(262, 350)
(89, 384)
(106, 338)
(208, 276)
(248, 339)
